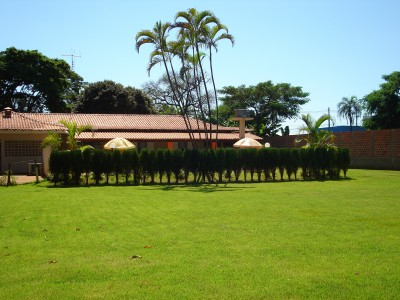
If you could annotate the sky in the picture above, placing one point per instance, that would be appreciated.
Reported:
(332, 49)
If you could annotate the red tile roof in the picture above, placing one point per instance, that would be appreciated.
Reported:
(50, 121)
(108, 126)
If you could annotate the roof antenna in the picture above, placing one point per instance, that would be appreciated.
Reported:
(72, 55)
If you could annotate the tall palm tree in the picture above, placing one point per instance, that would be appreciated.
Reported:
(162, 55)
(315, 136)
(192, 28)
(211, 39)
(350, 109)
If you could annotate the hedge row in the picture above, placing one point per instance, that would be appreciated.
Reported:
(223, 164)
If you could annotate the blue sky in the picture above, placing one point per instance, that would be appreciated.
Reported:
(332, 49)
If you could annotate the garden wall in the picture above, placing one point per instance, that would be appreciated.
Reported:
(371, 149)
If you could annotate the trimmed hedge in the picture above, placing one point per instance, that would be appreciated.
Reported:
(192, 166)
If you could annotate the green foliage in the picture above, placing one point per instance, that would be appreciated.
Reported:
(126, 162)
(270, 104)
(32, 82)
(204, 165)
(135, 165)
(145, 163)
(230, 156)
(220, 163)
(97, 165)
(55, 166)
(177, 164)
(287, 163)
(161, 165)
(52, 140)
(169, 164)
(315, 137)
(274, 156)
(295, 161)
(108, 97)
(73, 132)
(87, 162)
(65, 159)
(383, 105)
(108, 166)
(116, 164)
(305, 163)
(344, 160)
(77, 164)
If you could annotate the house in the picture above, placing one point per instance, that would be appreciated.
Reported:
(21, 134)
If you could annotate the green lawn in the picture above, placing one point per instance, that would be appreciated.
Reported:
(332, 239)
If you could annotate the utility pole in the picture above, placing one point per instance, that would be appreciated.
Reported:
(72, 55)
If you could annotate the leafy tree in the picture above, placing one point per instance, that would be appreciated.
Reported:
(383, 105)
(269, 104)
(350, 108)
(108, 97)
(315, 137)
(32, 82)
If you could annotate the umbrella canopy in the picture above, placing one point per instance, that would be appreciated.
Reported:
(119, 143)
(247, 143)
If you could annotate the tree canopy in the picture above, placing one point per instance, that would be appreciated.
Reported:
(32, 82)
(108, 97)
(383, 105)
(269, 104)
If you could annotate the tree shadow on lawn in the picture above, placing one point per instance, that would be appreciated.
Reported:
(204, 187)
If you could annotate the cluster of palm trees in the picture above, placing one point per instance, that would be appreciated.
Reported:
(189, 79)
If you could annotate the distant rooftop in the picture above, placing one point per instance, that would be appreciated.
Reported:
(344, 128)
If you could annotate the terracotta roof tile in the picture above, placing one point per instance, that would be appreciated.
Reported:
(47, 121)
(108, 126)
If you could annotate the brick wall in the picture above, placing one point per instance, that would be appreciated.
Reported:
(371, 149)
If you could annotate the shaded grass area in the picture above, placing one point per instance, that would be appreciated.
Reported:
(333, 239)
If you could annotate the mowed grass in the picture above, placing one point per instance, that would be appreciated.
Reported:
(283, 240)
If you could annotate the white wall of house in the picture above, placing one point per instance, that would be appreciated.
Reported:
(20, 149)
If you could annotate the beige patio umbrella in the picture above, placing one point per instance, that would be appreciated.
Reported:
(119, 144)
(247, 143)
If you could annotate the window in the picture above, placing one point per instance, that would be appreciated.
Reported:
(22, 148)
